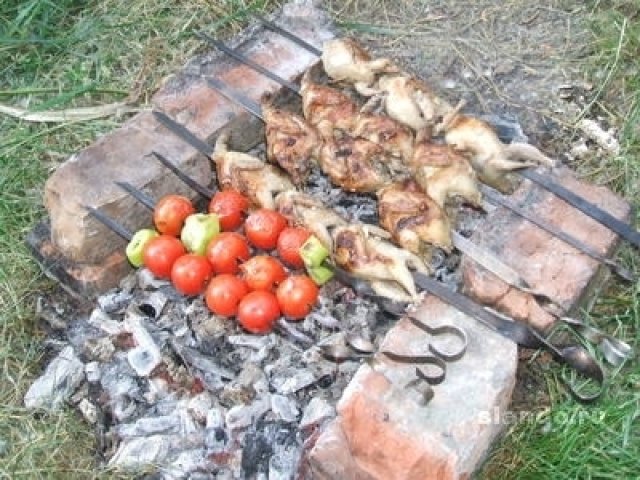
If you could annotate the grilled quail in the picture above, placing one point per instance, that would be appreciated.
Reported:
(258, 180)
(291, 142)
(415, 221)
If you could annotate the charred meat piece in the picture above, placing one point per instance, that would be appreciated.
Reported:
(394, 138)
(367, 256)
(415, 221)
(444, 174)
(305, 211)
(491, 159)
(291, 142)
(326, 108)
(257, 180)
(344, 60)
(354, 164)
(411, 102)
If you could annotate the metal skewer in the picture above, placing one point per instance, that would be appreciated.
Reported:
(621, 228)
(573, 355)
(110, 223)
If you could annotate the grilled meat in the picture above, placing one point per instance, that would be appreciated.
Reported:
(394, 138)
(354, 164)
(344, 60)
(326, 109)
(444, 174)
(411, 102)
(415, 221)
(257, 180)
(291, 142)
(491, 159)
(367, 256)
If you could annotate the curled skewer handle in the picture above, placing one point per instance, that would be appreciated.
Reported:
(614, 350)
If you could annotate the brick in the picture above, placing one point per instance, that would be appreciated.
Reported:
(87, 178)
(382, 431)
(545, 262)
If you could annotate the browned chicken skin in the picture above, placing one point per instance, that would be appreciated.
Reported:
(415, 221)
(491, 159)
(354, 164)
(291, 142)
(344, 60)
(395, 139)
(370, 257)
(444, 174)
(326, 108)
(257, 180)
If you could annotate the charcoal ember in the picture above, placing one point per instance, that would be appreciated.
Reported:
(153, 305)
(292, 379)
(241, 416)
(146, 355)
(261, 347)
(60, 380)
(105, 322)
(99, 349)
(121, 387)
(209, 371)
(317, 411)
(185, 464)
(199, 406)
(137, 453)
(205, 325)
(178, 422)
(225, 354)
(250, 382)
(284, 408)
(51, 314)
(271, 449)
(294, 333)
(114, 301)
(88, 410)
(148, 281)
(92, 372)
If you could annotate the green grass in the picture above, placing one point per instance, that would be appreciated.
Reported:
(59, 54)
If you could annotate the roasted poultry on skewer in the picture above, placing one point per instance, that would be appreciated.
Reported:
(344, 60)
(416, 222)
(354, 164)
(291, 142)
(327, 109)
(259, 181)
(443, 173)
(359, 249)
(491, 159)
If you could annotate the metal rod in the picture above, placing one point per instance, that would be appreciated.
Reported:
(109, 223)
(295, 39)
(612, 223)
(236, 97)
(198, 187)
(241, 58)
(183, 132)
(498, 199)
(139, 195)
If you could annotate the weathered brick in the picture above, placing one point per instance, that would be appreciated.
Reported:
(383, 431)
(547, 263)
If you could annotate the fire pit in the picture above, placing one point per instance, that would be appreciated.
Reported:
(168, 384)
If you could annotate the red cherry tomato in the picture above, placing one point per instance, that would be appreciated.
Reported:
(296, 296)
(258, 311)
(226, 251)
(160, 253)
(224, 293)
(263, 226)
(231, 207)
(289, 243)
(190, 274)
(263, 272)
(170, 214)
